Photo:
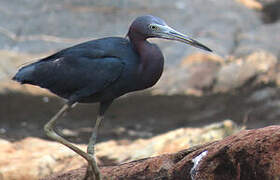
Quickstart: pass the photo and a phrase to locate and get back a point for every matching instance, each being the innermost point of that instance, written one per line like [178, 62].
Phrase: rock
[24, 31]
[240, 71]
[250, 154]
[237, 33]
[196, 73]
[258, 39]
[34, 158]
[266, 2]
[201, 74]
[271, 12]
[269, 9]
[10, 62]
[258, 4]
[169, 142]
[253, 4]
[261, 95]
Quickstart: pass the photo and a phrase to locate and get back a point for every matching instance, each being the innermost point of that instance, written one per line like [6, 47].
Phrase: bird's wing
[73, 75]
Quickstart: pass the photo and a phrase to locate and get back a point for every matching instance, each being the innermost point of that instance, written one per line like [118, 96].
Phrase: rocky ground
[50, 157]
[250, 155]
[239, 81]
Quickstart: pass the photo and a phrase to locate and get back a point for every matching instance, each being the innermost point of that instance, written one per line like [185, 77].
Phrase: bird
[100, 71]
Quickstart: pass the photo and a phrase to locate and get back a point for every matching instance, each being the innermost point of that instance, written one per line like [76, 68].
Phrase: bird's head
[149, 26]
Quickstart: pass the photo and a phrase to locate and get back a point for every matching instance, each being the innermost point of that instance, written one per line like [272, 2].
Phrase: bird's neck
[151, 60]
[140, 44]
[141, 47]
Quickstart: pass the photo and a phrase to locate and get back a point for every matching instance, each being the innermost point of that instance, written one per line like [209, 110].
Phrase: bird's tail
[25, 74]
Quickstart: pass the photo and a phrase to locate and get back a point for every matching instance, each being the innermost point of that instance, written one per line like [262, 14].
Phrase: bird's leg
[92, 141]
[49, 130]
[90, 149]
[49, 127]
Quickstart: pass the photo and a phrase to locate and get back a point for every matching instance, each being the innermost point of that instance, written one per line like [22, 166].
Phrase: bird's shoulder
[95, 49]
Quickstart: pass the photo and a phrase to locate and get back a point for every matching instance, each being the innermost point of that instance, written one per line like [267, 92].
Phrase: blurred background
[238, 83]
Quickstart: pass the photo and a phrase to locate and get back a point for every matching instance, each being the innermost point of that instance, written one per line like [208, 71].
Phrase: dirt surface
[135, 116]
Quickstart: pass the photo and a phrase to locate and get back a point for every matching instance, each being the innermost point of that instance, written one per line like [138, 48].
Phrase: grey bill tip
[201, 46]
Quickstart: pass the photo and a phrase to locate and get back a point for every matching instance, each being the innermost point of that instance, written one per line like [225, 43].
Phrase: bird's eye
[153, 27]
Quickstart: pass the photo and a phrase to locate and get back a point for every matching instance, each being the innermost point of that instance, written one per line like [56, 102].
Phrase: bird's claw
[90, 175]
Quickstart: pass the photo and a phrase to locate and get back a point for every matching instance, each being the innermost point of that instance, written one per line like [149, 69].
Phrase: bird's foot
[89, 174]
[92, 172]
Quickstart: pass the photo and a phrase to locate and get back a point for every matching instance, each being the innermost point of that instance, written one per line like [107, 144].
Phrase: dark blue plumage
[102, 70]
[94, 71]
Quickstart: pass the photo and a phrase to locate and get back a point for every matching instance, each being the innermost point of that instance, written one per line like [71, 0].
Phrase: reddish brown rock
[250, 154]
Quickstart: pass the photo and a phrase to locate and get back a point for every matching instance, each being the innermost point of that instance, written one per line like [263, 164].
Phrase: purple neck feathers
[151, 59]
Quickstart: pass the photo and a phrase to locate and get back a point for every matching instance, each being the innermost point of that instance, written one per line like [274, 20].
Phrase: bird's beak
[167, 32]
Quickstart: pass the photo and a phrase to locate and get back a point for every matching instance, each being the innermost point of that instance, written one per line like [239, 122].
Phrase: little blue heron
[100, 71]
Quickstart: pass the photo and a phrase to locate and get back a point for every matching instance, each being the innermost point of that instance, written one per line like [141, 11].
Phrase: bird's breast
[143, 67]
[150, 69]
